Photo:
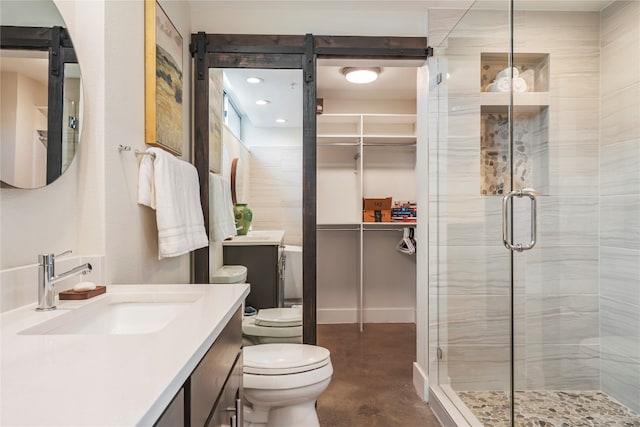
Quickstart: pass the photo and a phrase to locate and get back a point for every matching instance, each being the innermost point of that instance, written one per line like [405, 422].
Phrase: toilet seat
[279, 317]
[284, 359]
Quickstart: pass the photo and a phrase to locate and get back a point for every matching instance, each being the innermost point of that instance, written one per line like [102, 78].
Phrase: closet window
[232, 117]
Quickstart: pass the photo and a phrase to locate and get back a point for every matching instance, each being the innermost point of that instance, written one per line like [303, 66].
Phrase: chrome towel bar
[137, 152]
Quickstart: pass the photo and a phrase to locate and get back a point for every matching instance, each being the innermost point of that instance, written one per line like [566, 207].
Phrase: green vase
[243, 217]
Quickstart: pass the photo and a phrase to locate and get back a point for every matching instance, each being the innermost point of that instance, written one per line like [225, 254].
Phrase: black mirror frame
[57, 42]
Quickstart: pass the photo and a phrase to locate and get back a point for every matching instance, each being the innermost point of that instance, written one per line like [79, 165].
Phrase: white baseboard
[389, 315]
[336, 315]
[420, 382]
[371, 315]
[450, 410]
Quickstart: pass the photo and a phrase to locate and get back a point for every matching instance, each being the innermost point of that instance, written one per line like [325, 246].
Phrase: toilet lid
[280, 359]
[249, 327]
[279, 317]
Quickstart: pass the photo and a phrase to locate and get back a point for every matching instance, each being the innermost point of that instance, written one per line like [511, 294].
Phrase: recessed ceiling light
[262, 101]
[281, 120]
[361, 75]
[254, 80]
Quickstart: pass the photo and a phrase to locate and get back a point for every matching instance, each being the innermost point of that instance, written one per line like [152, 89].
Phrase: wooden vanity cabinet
[174, 415]
[228, 410]
[212, 395]
[264, 272]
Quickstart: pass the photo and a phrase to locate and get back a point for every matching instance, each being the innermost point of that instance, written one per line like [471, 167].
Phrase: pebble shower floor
[550, 409]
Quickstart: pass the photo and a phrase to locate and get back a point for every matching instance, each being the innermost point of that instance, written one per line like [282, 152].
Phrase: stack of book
[405, 211]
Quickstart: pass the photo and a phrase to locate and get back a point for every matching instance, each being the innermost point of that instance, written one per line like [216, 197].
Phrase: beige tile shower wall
[555, 288]
[620, 202]
[275, 188]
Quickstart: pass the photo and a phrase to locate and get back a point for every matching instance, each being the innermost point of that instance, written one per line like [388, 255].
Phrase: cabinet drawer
[228, 411]
[210, 375]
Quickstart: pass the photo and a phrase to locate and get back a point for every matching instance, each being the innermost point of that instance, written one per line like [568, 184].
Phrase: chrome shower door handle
[531, 194]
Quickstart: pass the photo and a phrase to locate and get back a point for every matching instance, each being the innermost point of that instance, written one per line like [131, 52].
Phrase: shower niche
[528, 163]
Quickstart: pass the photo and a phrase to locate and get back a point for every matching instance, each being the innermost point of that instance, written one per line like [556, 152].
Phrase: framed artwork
[163, 80]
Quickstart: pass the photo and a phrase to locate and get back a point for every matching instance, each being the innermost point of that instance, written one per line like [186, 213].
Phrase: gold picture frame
[163, 80]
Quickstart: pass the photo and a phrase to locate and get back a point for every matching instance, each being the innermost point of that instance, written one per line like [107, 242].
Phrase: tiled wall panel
[556, 284]
[620, 202]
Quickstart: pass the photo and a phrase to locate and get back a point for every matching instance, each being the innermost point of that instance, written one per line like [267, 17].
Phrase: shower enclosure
[534, 214]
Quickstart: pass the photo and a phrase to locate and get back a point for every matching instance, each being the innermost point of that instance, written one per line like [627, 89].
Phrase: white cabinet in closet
[361, 277]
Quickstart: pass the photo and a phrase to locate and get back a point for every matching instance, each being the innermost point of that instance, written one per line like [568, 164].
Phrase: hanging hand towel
[170, 186]
[222, 223]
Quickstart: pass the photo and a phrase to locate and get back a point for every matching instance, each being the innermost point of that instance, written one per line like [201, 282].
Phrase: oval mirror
[40, 106]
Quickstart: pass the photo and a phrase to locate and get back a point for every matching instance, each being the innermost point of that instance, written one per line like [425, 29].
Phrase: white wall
[131, 235]
[31, 94]
[22, 115]
[362, 18]
[8, 84]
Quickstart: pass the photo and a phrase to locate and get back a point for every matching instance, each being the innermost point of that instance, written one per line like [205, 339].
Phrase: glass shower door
[471, 168]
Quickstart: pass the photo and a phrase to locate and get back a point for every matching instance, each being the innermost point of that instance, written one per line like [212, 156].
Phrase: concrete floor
[372, 383]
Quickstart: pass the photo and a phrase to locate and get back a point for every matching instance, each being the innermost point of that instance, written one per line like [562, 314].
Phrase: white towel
[519, 85]
[221, 219]
[170, 186]
[502, 84]
[506, 73]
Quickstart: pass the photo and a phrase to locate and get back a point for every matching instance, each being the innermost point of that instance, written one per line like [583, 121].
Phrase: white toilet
[282, 383]
[273, 325]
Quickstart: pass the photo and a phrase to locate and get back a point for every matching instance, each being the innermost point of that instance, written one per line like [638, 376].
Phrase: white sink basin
[120, 314]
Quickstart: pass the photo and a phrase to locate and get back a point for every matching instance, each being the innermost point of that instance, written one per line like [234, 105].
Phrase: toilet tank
[230, 274]
[293, 274]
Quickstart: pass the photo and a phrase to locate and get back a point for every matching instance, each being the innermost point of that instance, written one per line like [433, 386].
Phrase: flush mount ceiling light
[361, 75]
[262, 101]
[254, 80]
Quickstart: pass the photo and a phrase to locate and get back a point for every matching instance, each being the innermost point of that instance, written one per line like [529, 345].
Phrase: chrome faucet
[47, 279]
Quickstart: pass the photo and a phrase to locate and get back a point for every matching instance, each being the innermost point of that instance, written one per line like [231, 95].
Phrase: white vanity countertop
[257, 238]
[105, 379]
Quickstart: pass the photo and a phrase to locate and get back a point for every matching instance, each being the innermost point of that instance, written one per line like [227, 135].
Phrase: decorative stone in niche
[529, 153]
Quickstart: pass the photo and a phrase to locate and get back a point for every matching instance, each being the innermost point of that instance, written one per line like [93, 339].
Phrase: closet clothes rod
[387, 229]
[389, 144]
[338, 144]
[337, 229]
